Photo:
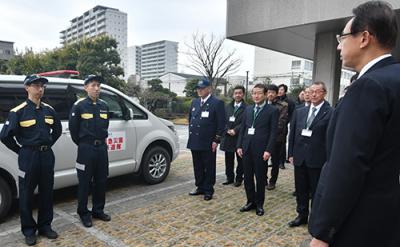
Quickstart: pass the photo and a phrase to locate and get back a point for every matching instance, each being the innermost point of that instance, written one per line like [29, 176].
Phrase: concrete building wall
[6, 50]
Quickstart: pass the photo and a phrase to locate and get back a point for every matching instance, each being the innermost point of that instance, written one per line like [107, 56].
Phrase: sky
[37, 23]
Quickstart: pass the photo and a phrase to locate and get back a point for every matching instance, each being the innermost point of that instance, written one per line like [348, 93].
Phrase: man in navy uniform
[88, 124]
[307, 149]
[255, 144]
[36, 127]
[206, 124]
[357, 201]
[234, 114]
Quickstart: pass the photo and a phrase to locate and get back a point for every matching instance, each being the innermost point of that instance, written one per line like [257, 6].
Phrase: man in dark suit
[255, 145]
[206, 124]
[357, 202]
[234, 114]
[307, 149]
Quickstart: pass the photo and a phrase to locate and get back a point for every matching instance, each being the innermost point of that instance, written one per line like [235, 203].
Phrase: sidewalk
[167, 216]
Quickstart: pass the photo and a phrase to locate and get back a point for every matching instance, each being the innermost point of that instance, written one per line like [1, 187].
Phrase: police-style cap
[91, 78]
[203, 84]
[34, 79]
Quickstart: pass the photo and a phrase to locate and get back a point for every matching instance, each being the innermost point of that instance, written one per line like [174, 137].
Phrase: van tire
[155, 165]
[5, 198]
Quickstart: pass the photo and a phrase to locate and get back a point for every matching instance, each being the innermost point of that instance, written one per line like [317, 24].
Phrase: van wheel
[155, 165]
[5, 199]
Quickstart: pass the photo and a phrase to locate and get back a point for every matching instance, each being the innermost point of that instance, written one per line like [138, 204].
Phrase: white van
[138, 142]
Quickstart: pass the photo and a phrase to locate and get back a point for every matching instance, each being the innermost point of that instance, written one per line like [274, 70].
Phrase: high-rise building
[158, 58]
[133, 63]
[6, 50]
[99, 21]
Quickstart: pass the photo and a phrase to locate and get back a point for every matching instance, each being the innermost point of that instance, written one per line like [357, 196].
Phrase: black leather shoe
[237, 183]
[50, 234]
[249, 206]
[30, 240]
[300, 220]
[227, 182]
[102, 216]
[196, 192]
[207, 197]
[282, 166]
[259, 211]
[270, 186]
[86, 221]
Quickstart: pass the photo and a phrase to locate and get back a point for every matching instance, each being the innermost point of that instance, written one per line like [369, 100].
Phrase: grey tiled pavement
[164, 215]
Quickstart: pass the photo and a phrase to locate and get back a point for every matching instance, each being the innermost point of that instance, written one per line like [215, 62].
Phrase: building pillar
[327, 64]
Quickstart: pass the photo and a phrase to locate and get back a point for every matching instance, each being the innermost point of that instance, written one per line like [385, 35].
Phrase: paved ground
[164, 215]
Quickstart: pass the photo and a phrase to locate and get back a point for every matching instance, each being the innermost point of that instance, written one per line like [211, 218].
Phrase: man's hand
[239, 151]
[266, 156]
[318, 243]
[231, 132]
[214, 146]
[291, 160]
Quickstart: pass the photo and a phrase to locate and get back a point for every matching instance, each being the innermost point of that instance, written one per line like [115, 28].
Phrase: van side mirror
[129, 116]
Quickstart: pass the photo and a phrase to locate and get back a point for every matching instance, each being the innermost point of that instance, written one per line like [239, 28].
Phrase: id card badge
[251, 131]
[205, 114]
[232, 119]
[306, 132]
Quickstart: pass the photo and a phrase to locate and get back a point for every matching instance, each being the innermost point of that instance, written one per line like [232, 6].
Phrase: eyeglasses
[340, 37]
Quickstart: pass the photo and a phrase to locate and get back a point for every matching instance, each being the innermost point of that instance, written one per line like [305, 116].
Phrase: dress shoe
[300, 220]
[207, 197]
[227, 182]
[271, 186]
[50, 234]
[259, 211]
[196, 192]
[294, 193]
[86, 221]
[30, 240]
[249, 206]
[237, 183]
[282, 166]
[102, 216]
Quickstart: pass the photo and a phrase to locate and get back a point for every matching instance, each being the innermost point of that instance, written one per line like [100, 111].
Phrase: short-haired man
[206, 124]
[36, 127]
[272, 97]
[282, 95]
[88, 125]
[234, 114]
[255, 144]
[358, 197]
[307, 149]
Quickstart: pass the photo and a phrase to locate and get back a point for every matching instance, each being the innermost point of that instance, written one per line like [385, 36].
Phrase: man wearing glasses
[357, 201]
[36, 127]
[307, 149]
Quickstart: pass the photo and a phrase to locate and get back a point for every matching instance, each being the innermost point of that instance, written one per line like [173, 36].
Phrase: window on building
[296, 64]
[308, 65]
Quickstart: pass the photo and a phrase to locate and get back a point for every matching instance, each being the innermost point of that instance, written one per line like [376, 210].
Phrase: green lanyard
[255, 115]
[235, 109]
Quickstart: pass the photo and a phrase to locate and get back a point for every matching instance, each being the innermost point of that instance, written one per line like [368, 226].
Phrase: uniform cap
[203, 84]
[34, 79]
[90, 78]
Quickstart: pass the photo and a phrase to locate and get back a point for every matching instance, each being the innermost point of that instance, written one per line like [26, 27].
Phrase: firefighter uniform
[31, 131]
[88, 125]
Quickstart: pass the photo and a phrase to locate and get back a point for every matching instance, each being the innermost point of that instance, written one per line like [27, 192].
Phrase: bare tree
[208, 57]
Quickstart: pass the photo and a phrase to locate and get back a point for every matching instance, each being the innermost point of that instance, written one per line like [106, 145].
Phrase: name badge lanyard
[255, 115]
